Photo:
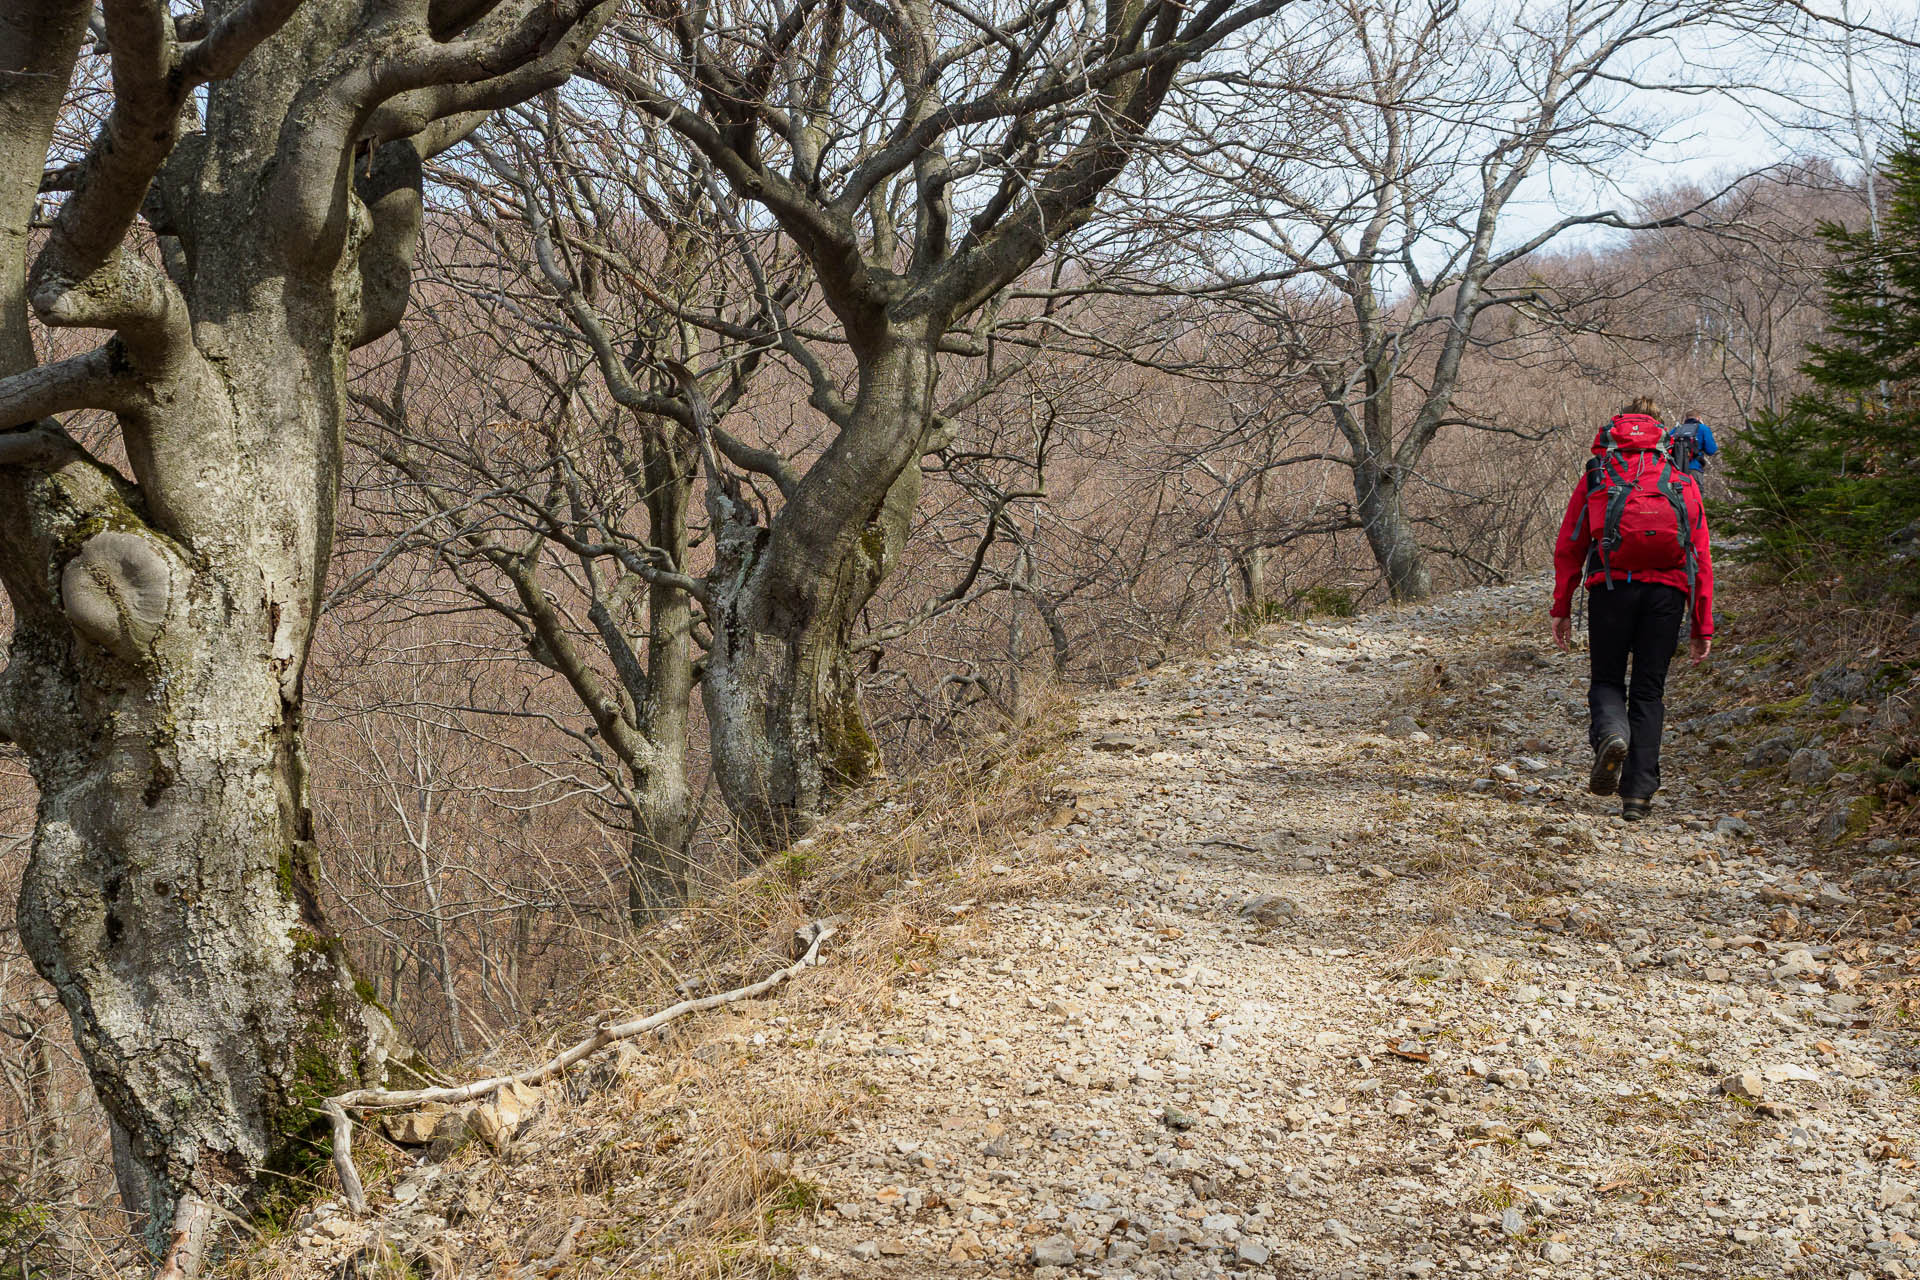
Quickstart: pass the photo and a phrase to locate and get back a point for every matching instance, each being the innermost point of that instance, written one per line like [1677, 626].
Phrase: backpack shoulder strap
[1595, 475]
[1674, 486]
[1619, 488]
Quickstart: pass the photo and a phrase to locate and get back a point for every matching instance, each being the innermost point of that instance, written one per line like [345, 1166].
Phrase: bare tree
[1393, 241]
[585, 262]
[643, 327]
[245, 215]
[922, 157]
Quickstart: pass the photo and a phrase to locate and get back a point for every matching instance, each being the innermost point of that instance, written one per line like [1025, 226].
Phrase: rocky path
[1327, 967]
[1332, 994]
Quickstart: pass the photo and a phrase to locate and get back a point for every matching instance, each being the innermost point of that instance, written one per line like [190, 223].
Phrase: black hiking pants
[1637, 621]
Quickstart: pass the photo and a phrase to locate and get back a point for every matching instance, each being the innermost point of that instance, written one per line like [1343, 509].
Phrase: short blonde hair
[1643, 404]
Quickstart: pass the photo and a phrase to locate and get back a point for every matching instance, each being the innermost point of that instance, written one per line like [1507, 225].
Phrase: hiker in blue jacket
[1692, 443]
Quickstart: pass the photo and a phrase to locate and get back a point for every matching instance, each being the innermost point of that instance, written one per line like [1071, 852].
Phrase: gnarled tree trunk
[170, 898]
[162, 617]
[781, 686]
[152, 681]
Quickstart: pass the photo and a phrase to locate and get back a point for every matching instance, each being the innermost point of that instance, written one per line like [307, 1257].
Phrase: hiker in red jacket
[1636, 533]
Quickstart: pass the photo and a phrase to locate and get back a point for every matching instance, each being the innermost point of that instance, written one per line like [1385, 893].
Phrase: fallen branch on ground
[605, 1034]
[187, 1239]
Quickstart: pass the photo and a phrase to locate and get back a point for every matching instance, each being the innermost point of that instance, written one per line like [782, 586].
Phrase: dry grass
[694, 1170]
[678, 1169]
[892, 863]
[1427, 943]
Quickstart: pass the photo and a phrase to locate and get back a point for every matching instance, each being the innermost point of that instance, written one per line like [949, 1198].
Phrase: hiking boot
[1607, 760]
[1634, 808]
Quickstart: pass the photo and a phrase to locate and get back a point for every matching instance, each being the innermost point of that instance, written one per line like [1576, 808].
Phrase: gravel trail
[1327, 967]
[1333, 994]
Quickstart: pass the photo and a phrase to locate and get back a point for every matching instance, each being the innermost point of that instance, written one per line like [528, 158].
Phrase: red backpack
[1637, 503]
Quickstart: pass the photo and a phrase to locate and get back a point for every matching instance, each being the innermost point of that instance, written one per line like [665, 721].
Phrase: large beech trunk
[171, 895]
[162, 616]
[783, 699]
[781, 685]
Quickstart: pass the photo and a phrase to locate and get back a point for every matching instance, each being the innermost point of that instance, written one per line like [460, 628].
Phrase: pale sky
[1781, 98]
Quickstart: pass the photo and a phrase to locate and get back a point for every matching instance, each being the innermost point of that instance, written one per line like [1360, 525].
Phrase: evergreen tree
[1832, 484]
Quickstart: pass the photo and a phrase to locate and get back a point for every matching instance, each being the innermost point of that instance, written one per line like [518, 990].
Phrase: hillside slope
[1294, 988]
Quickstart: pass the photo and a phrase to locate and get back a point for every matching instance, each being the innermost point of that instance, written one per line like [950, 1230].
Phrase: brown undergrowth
[673, 1160]
[1782, 661]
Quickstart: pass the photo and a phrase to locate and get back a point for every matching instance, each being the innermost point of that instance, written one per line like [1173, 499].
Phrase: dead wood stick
[186, 1240]
[343, 1156]
[606, 1033]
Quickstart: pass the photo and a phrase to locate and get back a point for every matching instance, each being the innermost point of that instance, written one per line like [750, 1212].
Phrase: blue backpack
[1691, 444]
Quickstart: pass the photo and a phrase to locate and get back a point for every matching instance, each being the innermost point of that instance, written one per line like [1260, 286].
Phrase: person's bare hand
[1700, 647]
[1563, 634]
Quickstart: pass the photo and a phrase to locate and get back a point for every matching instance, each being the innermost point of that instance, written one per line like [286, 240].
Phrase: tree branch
[605, 1034]
[96, 380]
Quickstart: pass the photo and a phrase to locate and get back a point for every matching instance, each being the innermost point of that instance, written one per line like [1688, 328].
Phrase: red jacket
[1576, 540]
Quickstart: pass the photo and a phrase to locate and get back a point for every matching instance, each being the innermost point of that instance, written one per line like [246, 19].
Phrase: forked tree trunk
[781, 686]
[1383, 516]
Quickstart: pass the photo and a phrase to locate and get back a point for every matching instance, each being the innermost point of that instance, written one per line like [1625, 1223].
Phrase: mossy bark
[162, 619]
[163, 611]
[172, 898]
[782, 687]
